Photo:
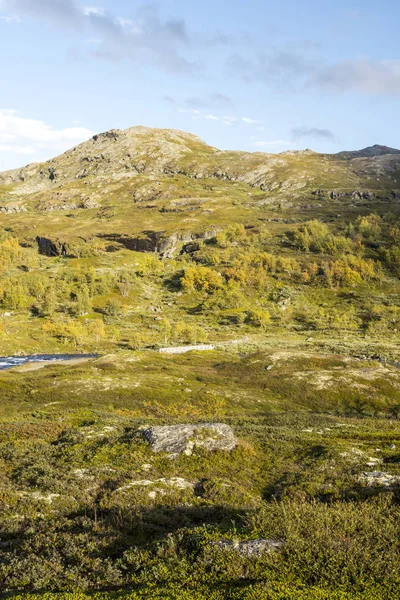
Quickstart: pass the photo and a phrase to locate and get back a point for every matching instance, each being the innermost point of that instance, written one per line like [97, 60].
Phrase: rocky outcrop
[9, 210]
[190, 247]
[87, 203]
[355, 195]
[379, 478]
[159, 241]
[56, 207]
[49, 247]
[182, 439]
[249, 548]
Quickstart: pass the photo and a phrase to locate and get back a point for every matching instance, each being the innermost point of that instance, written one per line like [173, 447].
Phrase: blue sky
[245, 74]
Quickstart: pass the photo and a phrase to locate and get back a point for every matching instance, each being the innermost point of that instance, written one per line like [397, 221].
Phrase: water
[7, 362]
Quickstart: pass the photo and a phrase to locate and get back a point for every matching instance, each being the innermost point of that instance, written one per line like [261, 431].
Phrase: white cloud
[22, 135]
[249, 121]
[10, 19]
[89, 11]
[17, 149]
[225, 120]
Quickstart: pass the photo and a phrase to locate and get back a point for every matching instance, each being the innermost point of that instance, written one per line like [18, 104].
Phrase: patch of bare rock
[249, 548]
[379, 478]
[182, 439]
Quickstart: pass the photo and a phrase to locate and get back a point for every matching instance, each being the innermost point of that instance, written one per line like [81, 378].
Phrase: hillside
[278, 475]
[133, 186]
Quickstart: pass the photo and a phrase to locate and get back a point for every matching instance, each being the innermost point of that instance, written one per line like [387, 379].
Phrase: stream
[8, 362]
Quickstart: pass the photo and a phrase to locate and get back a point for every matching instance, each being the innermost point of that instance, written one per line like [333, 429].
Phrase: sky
[248, 75]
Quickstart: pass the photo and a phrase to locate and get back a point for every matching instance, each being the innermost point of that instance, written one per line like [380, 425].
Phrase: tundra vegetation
[298, 291]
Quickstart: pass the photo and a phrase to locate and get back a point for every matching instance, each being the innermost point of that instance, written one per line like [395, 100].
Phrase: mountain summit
[368, 152]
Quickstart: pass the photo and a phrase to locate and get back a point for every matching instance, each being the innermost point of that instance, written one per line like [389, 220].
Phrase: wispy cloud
[300, 68]
[299, 133]
[249, 121]
[213, 100]
[9, 19]
[224, 119]
[65, 12]
[280, 67]
[144, 39]
[362, 75]
[93, 10]
[23, 135]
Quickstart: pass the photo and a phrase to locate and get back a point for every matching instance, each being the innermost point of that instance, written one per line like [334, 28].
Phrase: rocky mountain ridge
[370, 151]
[153, 189]
[140, 150]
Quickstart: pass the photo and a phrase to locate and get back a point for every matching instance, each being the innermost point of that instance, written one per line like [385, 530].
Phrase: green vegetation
[70, 449]
[298, 291]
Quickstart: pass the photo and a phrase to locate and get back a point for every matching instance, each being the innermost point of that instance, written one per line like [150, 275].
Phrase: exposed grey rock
[49, 247]
[184, 349]
[178, 439]
[173, 482]
[190, 248]
[89, 203]
[7, 210]
[249, 548]
[158, 241]
[379, 478]
[63, 206]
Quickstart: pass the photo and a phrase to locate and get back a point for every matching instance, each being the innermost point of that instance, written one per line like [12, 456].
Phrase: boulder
[249, 548]
[178, 439]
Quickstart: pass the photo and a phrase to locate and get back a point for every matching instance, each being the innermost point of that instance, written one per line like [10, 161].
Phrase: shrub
[201, 279]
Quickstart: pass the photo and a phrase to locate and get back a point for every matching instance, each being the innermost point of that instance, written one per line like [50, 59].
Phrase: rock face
[250, 548]
[159, 241]
[49, 247]
[178, 439]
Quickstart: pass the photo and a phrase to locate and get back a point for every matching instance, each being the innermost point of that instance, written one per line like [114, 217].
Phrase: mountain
[368, 152]
[139, 185]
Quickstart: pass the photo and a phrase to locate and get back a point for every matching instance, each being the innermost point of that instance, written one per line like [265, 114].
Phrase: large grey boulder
[178, 439]
[249, 548]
